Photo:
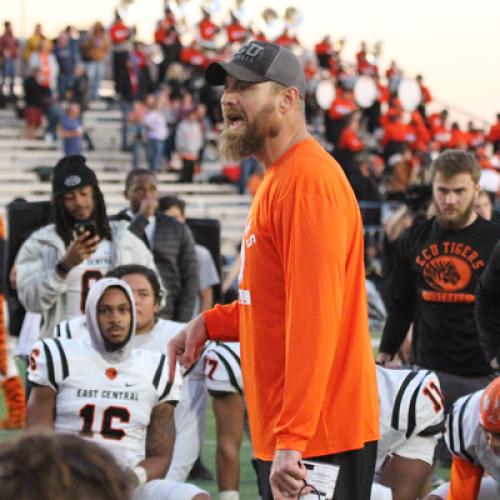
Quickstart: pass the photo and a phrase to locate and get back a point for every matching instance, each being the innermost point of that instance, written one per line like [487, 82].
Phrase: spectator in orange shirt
[395, 137]
[207, 30]
[418, 136]
[167, 37]
[324, 52]
[439, 130]
[459, 139]
[121, 45]
[335, 120]
[362, 64]
[426, 96]
[494, 135]
[302, 312]
[350, 144]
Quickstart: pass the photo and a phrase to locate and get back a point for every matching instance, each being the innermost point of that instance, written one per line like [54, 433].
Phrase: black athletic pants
[355, 477]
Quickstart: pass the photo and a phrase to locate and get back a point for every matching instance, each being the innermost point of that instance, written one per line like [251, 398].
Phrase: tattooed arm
[160, 440]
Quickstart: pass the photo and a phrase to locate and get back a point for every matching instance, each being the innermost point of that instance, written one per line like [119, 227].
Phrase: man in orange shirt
[301, 317]
[494, 135]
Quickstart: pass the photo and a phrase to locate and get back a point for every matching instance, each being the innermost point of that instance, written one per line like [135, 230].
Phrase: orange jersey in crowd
[458, 138]
[494, 134]
[236, 32]
[119, 33]
[341, 107]
[302, 319]
[350, 140]
[395, 132]
[207, 29]
[194, 56]
[426, 94]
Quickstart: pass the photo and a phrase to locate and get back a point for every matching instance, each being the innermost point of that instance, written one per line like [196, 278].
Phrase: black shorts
[355, 477]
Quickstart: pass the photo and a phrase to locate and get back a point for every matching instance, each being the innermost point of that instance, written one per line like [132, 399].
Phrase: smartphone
[82, 227]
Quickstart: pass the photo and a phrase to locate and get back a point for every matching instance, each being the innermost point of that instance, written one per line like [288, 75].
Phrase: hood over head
[98, 342]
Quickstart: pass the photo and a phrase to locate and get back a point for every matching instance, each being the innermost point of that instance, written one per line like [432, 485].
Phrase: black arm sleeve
[487, 307]
[402, 298]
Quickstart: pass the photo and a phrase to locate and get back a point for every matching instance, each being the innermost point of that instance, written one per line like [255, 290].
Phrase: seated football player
[224, 384]
[153, 334]
[411, 422]
[106, 391]
[473, 438]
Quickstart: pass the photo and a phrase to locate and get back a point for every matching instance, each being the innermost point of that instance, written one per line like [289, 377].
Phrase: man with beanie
[59, 262]
[301, 318]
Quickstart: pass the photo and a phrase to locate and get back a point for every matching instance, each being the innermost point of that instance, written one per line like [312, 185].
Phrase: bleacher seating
[21, 159]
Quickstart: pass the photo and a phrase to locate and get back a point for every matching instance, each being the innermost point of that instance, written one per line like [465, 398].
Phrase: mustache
[228, 110]
[114, 326]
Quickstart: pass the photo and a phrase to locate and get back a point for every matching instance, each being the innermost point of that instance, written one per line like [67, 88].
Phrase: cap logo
[72, 180]
[249, 51]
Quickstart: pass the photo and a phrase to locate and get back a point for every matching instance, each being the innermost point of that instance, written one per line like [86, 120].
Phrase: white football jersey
[83, 276]
[411, 414]
[156, 340]
[466, 438]
[105, 402]
[223, 368]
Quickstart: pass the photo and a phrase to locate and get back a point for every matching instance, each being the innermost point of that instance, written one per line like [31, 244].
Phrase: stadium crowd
[104, 294]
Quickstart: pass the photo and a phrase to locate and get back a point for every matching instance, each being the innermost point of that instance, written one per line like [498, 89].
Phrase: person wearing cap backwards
[56, 265]
[301, 317]
[104, 390]
[473, 437]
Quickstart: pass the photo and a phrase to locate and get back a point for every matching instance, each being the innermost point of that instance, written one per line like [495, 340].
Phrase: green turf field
[248, 485]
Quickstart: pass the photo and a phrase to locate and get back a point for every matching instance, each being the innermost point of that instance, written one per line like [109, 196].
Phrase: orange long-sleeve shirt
[306, 358]
[465, 480]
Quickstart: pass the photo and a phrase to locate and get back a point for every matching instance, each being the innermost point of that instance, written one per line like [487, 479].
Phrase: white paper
[323, 477]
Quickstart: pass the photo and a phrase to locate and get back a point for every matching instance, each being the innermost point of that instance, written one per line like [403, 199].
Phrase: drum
[409, 94]
[325, 94]
[365, 91]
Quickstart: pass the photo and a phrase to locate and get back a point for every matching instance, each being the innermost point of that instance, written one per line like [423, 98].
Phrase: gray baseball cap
[260, 62]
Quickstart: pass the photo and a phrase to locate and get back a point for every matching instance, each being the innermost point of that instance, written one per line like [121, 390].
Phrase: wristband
[62, 268]
[141, 474]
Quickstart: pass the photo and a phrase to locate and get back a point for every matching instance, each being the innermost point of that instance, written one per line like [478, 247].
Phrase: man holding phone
[58, 263]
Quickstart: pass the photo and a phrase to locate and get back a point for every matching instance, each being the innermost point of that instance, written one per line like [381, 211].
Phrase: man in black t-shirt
[437, 268]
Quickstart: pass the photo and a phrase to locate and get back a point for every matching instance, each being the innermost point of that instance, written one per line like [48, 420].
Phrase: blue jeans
[95, 72]
[155, 153]
[53, 114]
[63, 83]
[8, 70]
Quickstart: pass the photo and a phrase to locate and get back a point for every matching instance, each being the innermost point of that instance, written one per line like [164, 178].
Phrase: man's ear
[289, 98]
[125, 194]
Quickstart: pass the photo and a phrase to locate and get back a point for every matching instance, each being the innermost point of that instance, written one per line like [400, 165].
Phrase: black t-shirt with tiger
[436, 272]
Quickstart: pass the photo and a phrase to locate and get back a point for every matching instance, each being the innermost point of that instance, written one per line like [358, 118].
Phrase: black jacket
[175, 257]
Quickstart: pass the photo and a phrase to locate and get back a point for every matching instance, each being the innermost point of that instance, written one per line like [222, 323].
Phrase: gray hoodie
[96, 338]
